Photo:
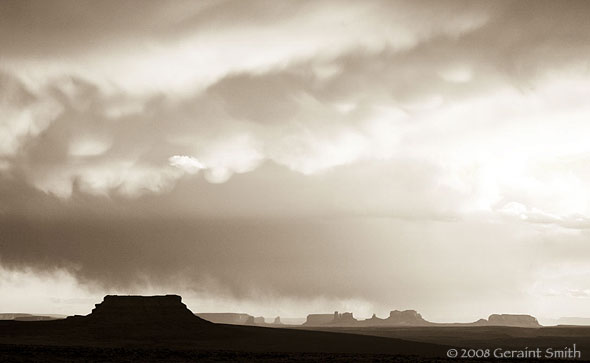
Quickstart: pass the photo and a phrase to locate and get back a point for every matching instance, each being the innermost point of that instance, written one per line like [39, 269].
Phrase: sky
[296, 157]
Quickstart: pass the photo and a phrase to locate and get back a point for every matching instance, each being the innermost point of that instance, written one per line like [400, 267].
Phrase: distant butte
[412, 318]
[513, 320]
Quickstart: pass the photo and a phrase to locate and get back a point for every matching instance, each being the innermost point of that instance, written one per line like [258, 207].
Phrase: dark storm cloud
[242, 258]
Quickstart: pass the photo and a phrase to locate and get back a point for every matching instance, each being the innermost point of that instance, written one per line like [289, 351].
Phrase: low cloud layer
[140, 142]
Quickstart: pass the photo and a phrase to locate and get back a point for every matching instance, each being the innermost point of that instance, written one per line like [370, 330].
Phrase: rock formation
[141, 310]
[411, 318]
[525, 321]
[255, 320]
[372, 321]
[29, 317]
[336, 319]
[406, 317]
[344, 319]
[318, 319]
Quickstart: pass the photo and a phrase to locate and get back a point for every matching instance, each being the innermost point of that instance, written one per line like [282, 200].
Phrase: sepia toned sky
[295, 157]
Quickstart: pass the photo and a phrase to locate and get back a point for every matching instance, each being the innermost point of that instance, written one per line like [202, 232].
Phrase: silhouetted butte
[143, 310]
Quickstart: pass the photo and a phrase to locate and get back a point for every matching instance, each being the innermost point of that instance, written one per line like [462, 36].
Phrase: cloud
[186, 163]
[88, 147]
[24, 114]
[182, 53]
[388, 131]
[124, 143]
[311, 102]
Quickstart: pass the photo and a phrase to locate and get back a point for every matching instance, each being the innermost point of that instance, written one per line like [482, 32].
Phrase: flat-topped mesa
[143, 309]
[523, 321]
[336, 319]
[318, 319]
[406, 317]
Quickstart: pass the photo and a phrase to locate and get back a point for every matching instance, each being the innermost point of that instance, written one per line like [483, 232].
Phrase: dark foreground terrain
[486, 336]
[25, 353]
[224, 343]
[93, 354]
[74, 341]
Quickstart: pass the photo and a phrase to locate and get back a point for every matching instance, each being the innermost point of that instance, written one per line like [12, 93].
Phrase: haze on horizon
[295, 157]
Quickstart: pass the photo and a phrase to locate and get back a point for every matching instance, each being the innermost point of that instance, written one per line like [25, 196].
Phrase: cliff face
[526, 321]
